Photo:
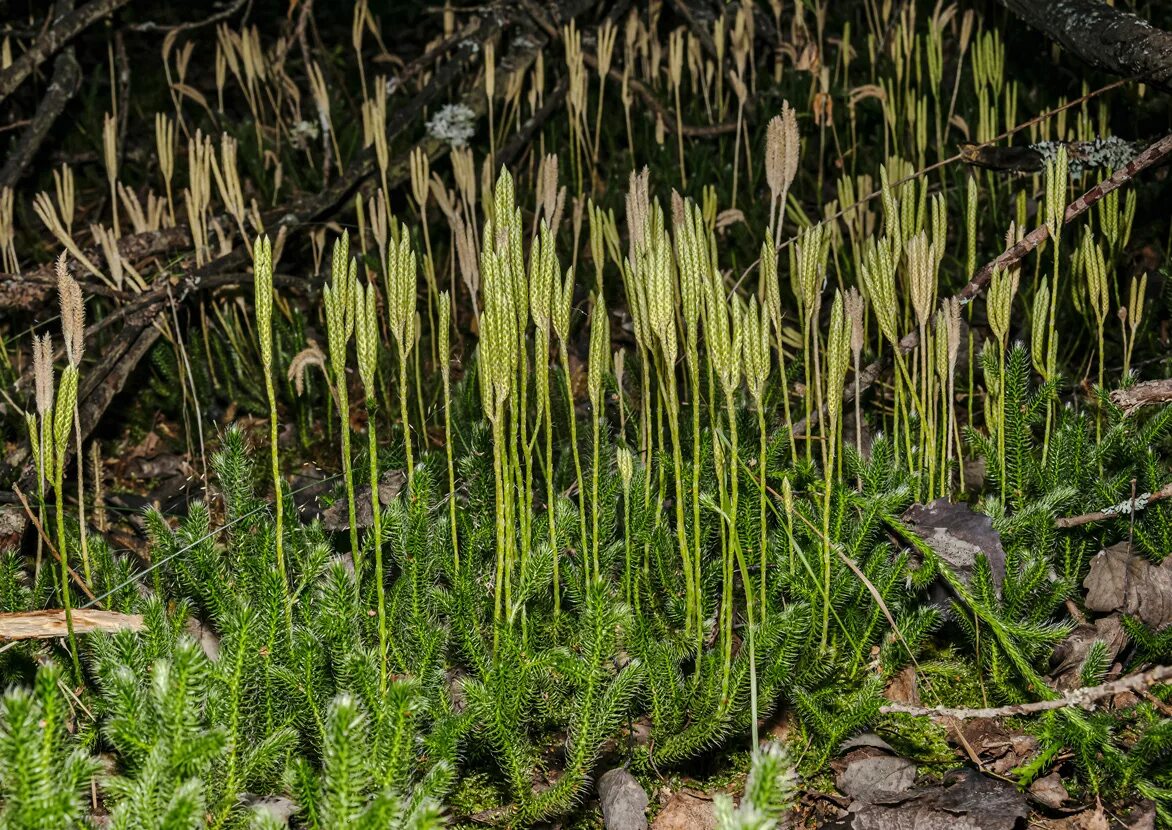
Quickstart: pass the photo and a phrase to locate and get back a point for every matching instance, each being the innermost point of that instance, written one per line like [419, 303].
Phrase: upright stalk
[263, 284]
[565, 358]
[62, 422]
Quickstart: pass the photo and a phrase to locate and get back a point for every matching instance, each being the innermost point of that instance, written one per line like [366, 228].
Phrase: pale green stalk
[400, 277]
[263, 285]
[837, 360]
[543, 270]
[339, 327]
[62, 415]
[561, 323]
[1056, 180]
[366, 330]
[626, 464]
[445, 354]
[599, 362]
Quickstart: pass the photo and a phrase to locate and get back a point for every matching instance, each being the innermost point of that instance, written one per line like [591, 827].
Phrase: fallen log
[1103, 36]
[57, 35]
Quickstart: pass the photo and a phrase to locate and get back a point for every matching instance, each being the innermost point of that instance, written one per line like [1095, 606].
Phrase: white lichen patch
[1128, 505]
[453, 124]
[1111, 153]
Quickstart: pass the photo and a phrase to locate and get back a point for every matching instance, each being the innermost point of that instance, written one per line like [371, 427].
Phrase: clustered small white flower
[453, 124]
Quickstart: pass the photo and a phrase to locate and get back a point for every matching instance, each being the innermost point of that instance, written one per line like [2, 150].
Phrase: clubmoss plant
[837, 361]
[445, 355]
[596, 375]
[262, 261]
[400, 284]
[367, 343]
[563, 298]
[66, 399]
[340, 324]
[544, 291]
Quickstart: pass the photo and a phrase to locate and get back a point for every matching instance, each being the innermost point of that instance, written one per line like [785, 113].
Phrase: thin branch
[50, 624]
[1084, 698]
[223, 14]
[1124, 509]
[1111, 39]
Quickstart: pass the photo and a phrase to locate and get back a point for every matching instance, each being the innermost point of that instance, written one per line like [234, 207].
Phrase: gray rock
[624, 803]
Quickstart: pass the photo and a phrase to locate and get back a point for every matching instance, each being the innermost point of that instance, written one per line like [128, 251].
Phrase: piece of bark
[623, 800]
[47, 625]
[1147, 393]
[1103, 36]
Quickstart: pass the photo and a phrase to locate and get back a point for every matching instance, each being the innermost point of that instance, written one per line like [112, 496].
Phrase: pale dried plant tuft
[72, 312]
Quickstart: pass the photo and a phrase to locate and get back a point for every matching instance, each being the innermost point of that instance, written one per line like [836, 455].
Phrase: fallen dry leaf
[1049, 791]
[967, 801]
[1069, 655]
[904, 687]
[390, 484]
[876, 778]
[1001, 749]
[1119, 580]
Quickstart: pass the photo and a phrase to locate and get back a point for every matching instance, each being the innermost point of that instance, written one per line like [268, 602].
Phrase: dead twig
[55, 37]
[1111, 39]
[1148, 393]
[223, 14]
[1084, 698]
[1127, 508]
[63, 86]
[30, 291]
[48, 625]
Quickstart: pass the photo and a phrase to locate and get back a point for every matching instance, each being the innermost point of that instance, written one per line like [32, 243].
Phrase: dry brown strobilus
[782, 147]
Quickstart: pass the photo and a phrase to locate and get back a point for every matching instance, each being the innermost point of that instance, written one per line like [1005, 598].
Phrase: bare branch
[1084, 697]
